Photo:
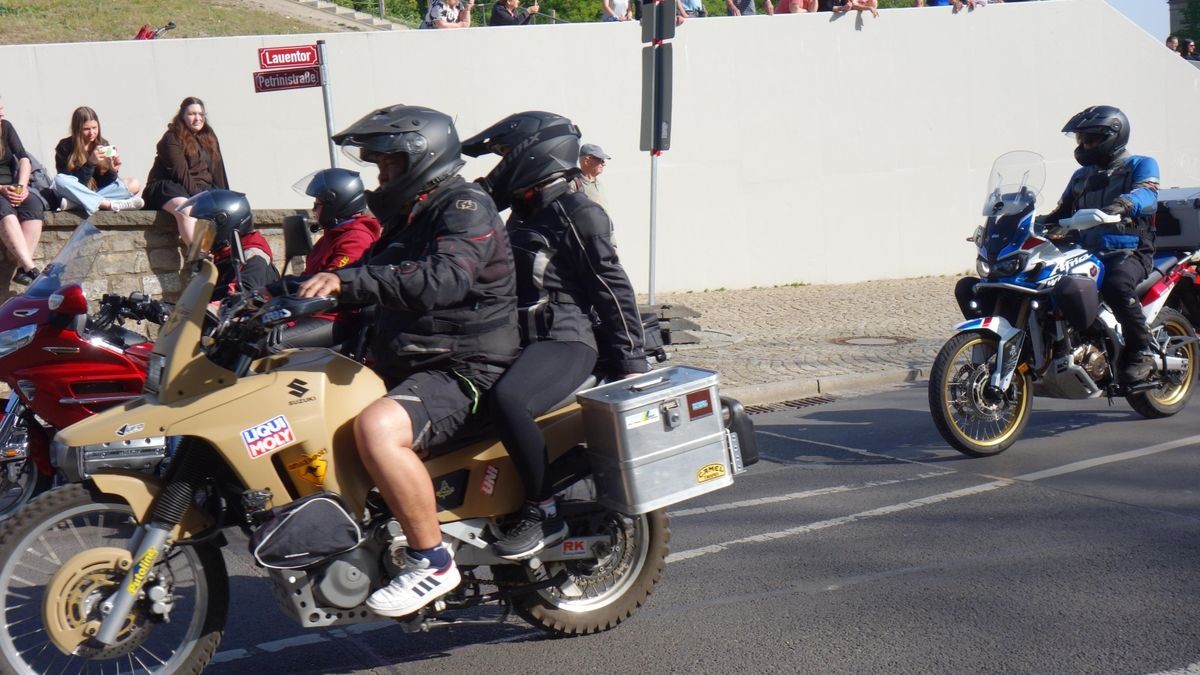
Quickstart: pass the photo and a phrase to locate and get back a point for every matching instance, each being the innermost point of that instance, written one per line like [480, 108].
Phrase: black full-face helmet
[339, 191]
[219, 213]
[534, 146]
[423, 147]
[1103, 125]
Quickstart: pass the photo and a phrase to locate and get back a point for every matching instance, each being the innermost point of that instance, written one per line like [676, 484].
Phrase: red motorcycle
[62, 365]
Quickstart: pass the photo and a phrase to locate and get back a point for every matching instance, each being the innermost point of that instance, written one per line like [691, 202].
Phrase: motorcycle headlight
[983, 268]
[14, 339]
[1008, 267]
[154, 373]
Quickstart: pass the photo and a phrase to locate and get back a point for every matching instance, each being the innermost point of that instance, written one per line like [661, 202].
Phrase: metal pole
[328, 99]
[381, 10]
[653, 214]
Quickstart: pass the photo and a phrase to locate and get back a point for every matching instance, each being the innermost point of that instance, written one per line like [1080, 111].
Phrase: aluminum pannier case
[656, 439]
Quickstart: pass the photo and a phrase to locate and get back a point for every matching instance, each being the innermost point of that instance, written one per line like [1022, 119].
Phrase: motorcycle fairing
[1008, 345]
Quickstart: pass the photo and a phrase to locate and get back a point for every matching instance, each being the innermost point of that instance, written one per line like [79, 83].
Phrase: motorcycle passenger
[339, 204]
[1120, 184]
[567, 268]
[230, 211]
[442, 275]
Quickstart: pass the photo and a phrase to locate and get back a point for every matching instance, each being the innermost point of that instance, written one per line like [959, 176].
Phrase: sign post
[298, 67]
[658, 26]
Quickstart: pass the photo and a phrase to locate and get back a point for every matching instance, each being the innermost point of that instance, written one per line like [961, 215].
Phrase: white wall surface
[806, 148]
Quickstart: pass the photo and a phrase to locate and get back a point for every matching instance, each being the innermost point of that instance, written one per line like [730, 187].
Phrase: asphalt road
[862, 544]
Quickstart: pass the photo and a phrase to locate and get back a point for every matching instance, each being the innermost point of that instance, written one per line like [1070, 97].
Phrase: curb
[787, 390]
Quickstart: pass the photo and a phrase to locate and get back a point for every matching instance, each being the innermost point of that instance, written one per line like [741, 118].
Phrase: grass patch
[42, 21]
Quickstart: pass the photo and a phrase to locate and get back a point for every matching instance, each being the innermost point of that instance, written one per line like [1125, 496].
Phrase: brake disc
[71, 608]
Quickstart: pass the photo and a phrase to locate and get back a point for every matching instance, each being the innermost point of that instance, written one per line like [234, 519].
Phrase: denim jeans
[73, 191]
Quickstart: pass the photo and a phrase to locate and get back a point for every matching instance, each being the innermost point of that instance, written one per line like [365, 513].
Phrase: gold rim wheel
[983, 423]
[1169, 395]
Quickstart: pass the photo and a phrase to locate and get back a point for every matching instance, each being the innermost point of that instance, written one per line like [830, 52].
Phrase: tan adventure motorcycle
[123, 567]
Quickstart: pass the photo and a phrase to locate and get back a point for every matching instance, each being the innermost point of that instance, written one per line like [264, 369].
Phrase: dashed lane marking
[1108, 459]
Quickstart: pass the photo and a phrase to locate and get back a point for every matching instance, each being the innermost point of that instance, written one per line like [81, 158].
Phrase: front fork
[14, 439]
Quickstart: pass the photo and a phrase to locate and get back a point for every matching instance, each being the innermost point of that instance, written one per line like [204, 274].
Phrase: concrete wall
[806, 148]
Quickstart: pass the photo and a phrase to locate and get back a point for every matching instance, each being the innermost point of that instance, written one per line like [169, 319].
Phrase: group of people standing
[1184, 47]
[88, 166]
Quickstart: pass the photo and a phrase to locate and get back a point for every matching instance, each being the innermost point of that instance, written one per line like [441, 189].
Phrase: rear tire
[1172, 396]
[606, 591]
[971, 421]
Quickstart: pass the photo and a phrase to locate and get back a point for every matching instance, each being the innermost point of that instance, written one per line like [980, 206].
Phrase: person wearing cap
[592, 159]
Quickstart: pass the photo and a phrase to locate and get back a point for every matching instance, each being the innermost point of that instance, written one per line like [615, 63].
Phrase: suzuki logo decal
[297, 388]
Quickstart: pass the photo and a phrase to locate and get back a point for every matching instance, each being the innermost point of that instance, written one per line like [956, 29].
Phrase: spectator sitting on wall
[617, 10]
[188, 163]
[509, 13]
[746, 7]
[1173, 43]
[957, 4]
[1187, 49]
[87, 168]
[20, 209]
[694, 8]
[448, 14]
[795, 6]
[858, 6]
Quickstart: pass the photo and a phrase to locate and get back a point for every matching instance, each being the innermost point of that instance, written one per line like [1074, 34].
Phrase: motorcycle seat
[1161, 268]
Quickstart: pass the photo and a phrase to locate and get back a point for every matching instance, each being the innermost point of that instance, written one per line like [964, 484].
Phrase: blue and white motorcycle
[985, 377]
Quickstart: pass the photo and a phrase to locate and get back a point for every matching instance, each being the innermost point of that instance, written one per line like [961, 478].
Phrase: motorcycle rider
[339, 204]
[567, 268]
[1120, 184]
[231, 212]
[442, 276]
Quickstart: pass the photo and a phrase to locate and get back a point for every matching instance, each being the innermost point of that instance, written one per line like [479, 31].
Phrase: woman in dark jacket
[188, 163]
[509, 13]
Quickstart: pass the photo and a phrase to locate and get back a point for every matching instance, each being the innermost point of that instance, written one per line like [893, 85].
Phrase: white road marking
[842, 520]
[1193, 669]
[1108, 459]
[800, 495]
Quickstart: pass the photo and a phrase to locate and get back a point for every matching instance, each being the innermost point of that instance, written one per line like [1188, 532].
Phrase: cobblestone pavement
[794, 337]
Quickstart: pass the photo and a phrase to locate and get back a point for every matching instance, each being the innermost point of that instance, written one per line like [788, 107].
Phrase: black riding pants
[544, 374]
[1121, 277]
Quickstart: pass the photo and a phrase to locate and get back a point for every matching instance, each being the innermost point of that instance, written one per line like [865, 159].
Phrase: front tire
[1176, 388]
[970, 418]
[603, 592]
[60, 557]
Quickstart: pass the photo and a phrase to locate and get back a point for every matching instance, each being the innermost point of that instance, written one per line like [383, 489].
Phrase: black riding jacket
[1129, 179]
[444, 284]
[567, 269]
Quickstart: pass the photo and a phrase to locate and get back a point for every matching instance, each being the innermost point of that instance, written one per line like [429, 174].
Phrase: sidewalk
[778, 344]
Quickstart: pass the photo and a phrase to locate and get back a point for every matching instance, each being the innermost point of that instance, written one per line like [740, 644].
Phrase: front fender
[996, 325]
[139, 490]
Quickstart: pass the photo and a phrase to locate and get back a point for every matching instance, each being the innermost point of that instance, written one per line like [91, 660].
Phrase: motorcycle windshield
[72, 265]
[1016, 181]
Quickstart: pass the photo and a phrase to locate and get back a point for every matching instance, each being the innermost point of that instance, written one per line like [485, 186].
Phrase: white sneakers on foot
[414, 587]
[134, 203]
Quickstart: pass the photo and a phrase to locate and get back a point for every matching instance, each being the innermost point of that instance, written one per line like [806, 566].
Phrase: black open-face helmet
[219, 213]
[339, 191]
[424, 151]
[1105, 125]
[534, 147]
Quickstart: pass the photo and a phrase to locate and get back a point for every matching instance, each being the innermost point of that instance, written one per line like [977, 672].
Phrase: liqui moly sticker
[271, 435]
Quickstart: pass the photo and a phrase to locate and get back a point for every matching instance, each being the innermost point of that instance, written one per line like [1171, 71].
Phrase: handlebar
[1088, 218]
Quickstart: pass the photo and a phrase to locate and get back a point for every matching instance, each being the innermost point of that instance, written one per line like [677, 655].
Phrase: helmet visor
[1089, 138]
[202, 240]
[308, 186]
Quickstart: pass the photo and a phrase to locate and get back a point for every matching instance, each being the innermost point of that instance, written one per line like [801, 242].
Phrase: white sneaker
[134, 203]
[414, 587]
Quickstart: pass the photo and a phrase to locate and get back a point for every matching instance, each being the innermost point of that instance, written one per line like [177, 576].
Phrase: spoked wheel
[600, 593]
[972, 417]
[1176, 387]
[64, 555]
